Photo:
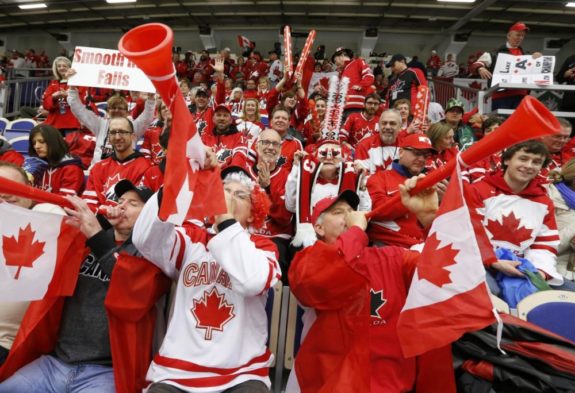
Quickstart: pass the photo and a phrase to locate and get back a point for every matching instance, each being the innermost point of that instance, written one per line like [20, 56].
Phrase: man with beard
[377, 152]
[226, 140]
[362, 124]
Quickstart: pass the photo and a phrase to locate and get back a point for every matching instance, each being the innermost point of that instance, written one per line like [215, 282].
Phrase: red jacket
[151, 146]
[358, 293]
[107, 173]
[65, 120]
[357, 127]
[66, 178]
[289, 146]
[230, 147]
[8, 154]
[154, 177]
[396, 226]
[374, 155]
[359, 74]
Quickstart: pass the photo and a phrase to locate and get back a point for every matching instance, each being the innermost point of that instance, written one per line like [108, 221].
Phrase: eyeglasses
[266, 143]
[327, 151]
[242, 195]
[119, 132]
[418, 153]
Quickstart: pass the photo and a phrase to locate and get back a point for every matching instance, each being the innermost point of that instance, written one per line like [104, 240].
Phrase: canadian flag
[40, 254]
[245, 42]
[448, 295]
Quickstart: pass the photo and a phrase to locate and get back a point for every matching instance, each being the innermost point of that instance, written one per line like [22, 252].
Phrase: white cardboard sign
[523, 70]
[97, 67]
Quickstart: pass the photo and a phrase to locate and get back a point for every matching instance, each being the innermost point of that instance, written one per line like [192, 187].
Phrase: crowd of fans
[266, 131]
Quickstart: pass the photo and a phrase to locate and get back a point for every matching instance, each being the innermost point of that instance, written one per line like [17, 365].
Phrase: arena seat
[552, 310]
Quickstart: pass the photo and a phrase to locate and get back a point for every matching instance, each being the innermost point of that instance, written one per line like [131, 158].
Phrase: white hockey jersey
[216, 337]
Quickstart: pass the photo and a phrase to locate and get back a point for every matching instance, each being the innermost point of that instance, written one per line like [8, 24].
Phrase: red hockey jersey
[360, 75]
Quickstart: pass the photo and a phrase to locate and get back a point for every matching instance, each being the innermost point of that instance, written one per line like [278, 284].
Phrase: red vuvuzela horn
[530, 120]
[11, 187]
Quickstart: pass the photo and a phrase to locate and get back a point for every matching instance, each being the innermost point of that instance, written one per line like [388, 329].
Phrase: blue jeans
[49, 375]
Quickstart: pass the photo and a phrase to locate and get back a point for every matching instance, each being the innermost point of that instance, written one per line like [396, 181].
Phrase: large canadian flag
[448, 295]
[40, 254]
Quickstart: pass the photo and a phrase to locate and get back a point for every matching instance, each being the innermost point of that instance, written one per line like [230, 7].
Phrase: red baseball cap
[224, 107]
[325, 203]
[519, 26]
[416, 141]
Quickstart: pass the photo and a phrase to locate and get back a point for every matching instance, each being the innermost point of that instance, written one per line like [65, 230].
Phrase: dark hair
[531, 146]
[373, 96]
[56, 145]
[490, 122]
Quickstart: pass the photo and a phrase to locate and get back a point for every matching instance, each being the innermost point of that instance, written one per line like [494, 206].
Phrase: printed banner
[523, 70]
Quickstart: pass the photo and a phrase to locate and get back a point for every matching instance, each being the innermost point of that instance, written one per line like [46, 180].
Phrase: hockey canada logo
[212, 312]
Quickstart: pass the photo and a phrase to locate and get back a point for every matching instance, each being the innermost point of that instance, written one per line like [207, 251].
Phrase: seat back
[273, 307]
[3, 124]
[294, 331]
[22, 124]
[500, 304]
[552, 310]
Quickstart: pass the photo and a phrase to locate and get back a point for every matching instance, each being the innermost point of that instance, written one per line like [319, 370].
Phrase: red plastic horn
[149, 46]
[530, 120]
[11, 187]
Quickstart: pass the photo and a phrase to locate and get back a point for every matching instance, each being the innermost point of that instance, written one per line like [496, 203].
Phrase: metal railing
[442, 89]
[20, 90]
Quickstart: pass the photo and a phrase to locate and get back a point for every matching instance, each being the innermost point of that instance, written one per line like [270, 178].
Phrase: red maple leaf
[510, 230]
[22, 251]
[435, 271]
[212, 312]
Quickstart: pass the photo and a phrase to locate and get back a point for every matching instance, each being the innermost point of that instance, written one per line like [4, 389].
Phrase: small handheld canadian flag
[40, 254]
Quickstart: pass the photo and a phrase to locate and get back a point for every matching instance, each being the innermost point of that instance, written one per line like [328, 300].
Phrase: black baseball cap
[123, 186]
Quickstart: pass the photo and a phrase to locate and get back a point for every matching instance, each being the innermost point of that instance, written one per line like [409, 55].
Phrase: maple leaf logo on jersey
[110, 185]
[510, 230]
[212, 312]
[22, 251]
[223, 154]
[201, 126]
[436, 273]
[377, 302]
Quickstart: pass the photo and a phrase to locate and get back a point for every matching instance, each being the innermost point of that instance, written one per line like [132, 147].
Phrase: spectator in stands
[464, 135]
[8, 154]
[477, 171]
[404, 81]
[360, 79]
[442, 138]
[378, 151]
[313, 125]
[124, 163]
[59, 172]
[361, 125]
[239, 270]
[449, 69]
[340, 277]
[154, 176]
[398, 226]
[415, 63]
[204, 113]
[381, 84]
[151, 147]
[484, 66]
[236, 102]
[290, 144]
[185, 89]
[276, 67]
[562, 193]
[226, 140]
[55, 95]
[555, 145]
[117, 108]
[249, 122]
[566, 75]
[255, 67]
[434, 63]
[81, 360]
[203, 68]
[272, 178]
[11, 313]
[518, 214]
